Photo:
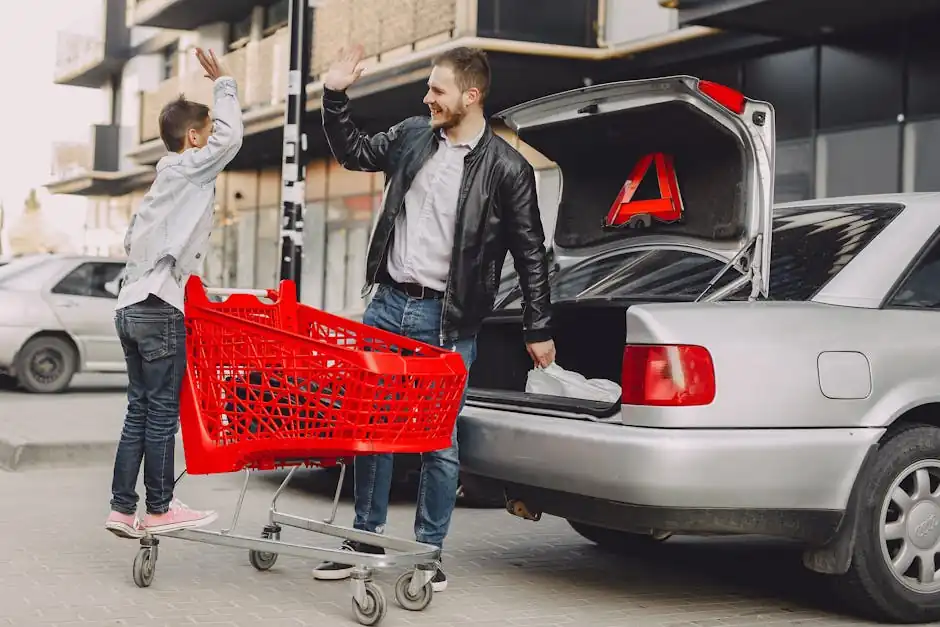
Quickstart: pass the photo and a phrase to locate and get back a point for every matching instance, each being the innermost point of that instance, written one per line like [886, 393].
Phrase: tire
[617, 541]
[46, 365]
[906, 457]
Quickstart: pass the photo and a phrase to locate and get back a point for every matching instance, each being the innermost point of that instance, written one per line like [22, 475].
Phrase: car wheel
[46, 365]
[618, 541]
[893, 574]
[474, 492]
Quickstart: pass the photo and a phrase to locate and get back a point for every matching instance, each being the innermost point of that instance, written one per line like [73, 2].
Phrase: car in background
[57, 319]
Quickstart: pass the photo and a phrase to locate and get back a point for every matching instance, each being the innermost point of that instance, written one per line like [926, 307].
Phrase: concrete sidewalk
[80, 428]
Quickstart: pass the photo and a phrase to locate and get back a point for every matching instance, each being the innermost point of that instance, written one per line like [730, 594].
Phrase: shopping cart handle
[224, 291]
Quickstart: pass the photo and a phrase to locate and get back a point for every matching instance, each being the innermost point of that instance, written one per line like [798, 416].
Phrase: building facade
[857, 106]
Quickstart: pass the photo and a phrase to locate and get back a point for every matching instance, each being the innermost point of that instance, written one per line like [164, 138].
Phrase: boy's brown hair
[471, 68]
[177, 117]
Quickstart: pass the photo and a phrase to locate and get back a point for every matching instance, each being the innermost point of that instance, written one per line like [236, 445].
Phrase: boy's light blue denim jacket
[174, 221]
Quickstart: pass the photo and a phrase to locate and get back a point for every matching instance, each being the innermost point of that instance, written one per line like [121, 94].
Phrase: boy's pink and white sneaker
[124, 526]
[178, 517]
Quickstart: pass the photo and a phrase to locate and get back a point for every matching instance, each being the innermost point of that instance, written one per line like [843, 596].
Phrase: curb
[16, 454]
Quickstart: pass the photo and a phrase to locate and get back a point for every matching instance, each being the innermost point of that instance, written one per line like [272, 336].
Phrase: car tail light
[674, 375]
[725, 96]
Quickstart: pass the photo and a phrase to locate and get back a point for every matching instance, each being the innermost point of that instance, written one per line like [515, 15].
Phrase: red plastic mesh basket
[282, 384]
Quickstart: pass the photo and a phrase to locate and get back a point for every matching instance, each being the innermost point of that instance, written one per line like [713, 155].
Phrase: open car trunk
[711, 193]
[588, 339]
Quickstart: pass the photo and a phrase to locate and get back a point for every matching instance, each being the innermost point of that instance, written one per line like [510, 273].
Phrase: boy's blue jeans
[419, 319]
[153, 336]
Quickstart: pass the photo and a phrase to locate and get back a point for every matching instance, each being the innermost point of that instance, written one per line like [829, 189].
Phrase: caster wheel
[262, 560]
[412, 602]
[144, 566]
[374, 610]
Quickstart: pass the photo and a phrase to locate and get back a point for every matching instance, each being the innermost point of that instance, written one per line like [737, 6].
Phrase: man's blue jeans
[153, 336]
[419, 319]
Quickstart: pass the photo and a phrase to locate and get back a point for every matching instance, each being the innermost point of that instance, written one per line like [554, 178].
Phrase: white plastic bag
[556, 381]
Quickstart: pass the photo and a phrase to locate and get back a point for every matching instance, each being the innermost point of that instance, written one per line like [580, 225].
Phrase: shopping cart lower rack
[283, 385]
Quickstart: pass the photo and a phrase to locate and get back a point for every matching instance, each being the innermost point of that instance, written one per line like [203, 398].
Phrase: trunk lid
[719, 144]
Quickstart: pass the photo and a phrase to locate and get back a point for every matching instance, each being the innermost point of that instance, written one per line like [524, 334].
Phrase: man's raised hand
[346, 70]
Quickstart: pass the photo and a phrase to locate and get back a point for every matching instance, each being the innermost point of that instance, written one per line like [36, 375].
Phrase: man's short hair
[177, 117]
[471, 68]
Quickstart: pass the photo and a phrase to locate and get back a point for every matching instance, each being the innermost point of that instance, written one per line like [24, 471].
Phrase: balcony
[785, 18]
[89, 168]
[189, 14]
[400, 38]
[260, 68]
[84, 60]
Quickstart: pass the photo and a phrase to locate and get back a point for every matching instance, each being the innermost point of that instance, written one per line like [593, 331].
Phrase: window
[664, 274]
[170, 56]
[96, 279]
[812, 244]
[569, 22]
[793, 171]
[240, 31]
[861, 81]
[348, 226]
[629, 274]
[276, 15]
[921, 289]
[576, 279]
[859, 162]
[922, 152]
[788, 80]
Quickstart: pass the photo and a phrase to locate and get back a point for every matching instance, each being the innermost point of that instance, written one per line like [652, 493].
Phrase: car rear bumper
[745, 469]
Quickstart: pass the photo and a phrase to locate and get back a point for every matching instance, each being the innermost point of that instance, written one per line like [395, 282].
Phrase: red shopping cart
[278, 384]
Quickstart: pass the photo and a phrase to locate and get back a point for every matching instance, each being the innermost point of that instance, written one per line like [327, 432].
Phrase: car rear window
[810, 246]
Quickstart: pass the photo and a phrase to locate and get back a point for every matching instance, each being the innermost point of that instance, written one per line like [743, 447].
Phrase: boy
[165, 244]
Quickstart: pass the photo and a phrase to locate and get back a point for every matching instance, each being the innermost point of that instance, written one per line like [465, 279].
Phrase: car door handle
[68, 303]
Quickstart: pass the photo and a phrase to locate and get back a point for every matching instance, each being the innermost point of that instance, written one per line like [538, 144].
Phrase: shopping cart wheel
[144, 566]
[375, 607]
[412, 602]
[262, 560]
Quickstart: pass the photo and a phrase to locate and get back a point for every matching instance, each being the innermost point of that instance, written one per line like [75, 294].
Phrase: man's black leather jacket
[497, 210]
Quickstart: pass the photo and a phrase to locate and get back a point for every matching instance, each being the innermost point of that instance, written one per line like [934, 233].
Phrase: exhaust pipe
[518, 508]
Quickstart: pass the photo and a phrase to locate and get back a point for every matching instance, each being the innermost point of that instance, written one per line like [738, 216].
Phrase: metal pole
[293, 160]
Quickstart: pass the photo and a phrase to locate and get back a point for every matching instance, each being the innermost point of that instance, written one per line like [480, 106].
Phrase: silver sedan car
[779, 365]
[57, 319]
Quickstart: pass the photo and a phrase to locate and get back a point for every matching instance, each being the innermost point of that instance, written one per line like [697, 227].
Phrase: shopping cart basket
[283, 385]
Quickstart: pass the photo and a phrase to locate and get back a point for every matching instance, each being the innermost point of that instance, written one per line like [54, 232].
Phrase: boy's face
[199, 137]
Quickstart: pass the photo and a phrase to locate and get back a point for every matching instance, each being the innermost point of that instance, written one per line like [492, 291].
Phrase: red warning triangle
[641, 213]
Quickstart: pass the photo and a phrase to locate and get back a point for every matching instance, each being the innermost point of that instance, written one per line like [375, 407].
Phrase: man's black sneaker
[439, 580]
[333, 571]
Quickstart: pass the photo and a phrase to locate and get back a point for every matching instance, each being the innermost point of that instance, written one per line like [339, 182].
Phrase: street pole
[293, 160]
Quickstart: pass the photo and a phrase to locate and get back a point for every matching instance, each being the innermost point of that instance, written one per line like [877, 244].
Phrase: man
[457, 198]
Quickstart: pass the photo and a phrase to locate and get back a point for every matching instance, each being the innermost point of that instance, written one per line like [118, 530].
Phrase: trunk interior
[597, 153]
[589, 339]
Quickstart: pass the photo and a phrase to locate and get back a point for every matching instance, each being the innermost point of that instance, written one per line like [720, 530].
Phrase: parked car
[57, 319]
[791, 390]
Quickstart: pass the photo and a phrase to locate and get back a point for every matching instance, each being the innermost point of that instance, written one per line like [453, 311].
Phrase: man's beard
[449, 119]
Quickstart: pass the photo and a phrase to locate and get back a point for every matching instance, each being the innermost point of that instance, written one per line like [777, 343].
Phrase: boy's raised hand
[210, 64]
